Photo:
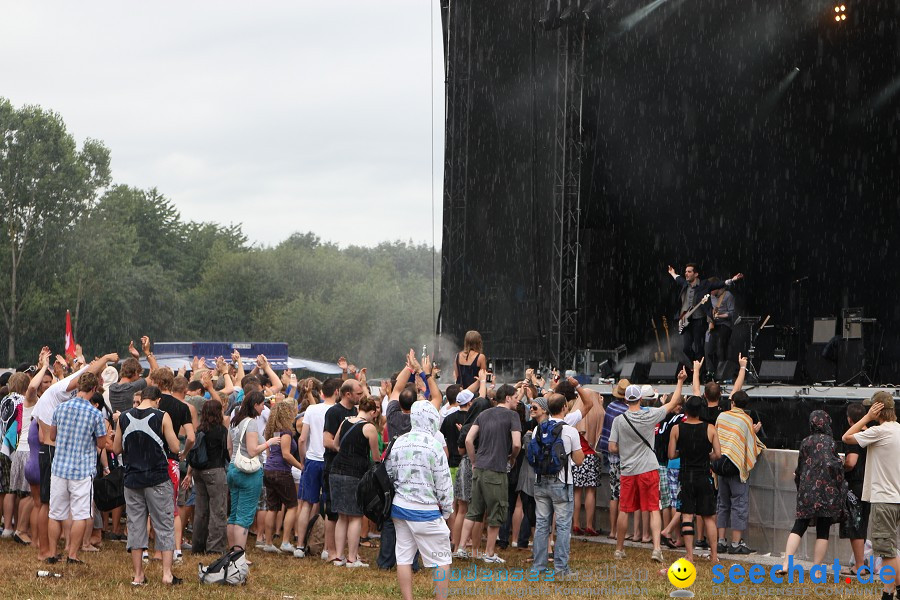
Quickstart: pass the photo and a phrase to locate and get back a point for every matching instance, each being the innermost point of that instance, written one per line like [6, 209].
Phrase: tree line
[125, 263]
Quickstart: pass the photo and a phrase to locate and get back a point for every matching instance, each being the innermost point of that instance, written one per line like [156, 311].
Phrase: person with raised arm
[692, 291]
[131, 379]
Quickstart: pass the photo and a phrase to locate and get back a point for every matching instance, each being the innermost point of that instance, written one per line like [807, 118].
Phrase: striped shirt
[738, 440]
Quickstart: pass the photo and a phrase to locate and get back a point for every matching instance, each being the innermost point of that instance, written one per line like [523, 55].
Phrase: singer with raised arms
[695, 310]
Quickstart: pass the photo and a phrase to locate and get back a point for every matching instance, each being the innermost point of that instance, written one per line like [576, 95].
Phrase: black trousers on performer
[717, 350]
[693, 338]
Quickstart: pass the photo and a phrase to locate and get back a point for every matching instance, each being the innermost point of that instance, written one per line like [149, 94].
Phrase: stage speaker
[633, 371]
[824, 329]
[727, 371]
[663, 372]
[819, 368]
[784, 371]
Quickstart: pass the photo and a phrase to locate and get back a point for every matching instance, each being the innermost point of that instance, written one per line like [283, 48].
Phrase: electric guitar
[658, 356]
[683, 321]
[668, 341]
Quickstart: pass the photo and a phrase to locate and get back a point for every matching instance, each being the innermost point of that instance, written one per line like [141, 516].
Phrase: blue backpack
[546, 452]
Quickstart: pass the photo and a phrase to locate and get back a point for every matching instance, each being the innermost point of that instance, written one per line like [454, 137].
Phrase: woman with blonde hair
[469, 360]
[277, 478]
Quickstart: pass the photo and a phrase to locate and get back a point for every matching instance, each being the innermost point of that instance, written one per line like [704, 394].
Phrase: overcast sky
[281, 115]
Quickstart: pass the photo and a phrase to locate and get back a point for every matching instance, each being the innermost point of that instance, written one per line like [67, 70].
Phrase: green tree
[46, 182]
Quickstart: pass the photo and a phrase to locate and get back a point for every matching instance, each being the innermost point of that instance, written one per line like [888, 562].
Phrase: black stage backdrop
[701, 143]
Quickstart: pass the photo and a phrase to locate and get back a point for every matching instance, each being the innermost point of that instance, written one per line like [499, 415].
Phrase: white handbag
[245, 464]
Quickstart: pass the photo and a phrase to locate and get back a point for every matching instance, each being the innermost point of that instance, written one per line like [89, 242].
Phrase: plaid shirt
[78, 425]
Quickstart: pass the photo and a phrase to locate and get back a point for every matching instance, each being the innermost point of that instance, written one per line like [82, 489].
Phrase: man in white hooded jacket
[423, 499]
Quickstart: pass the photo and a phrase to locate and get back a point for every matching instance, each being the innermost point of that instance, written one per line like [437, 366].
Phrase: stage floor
[763, 390]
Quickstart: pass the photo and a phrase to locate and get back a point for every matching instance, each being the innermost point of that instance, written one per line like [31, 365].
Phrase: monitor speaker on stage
[727, 371]
[663, 372]
[633, 371]
[784, 371]
[819, 368]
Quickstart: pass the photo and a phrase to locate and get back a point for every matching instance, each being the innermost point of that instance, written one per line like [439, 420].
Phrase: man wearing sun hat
[632, 438]
[881, 484]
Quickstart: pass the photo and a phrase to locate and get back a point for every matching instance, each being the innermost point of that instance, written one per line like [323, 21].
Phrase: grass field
[107, 576]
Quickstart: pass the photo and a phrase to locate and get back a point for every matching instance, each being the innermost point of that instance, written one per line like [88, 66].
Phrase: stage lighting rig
[570, 13]
[840, 13]
[551, 19]
[592, 9]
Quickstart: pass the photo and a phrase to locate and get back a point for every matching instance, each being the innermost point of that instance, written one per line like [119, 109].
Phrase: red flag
[70, 339]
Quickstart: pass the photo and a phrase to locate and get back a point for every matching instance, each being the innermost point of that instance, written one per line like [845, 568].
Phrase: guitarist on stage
[693, 289]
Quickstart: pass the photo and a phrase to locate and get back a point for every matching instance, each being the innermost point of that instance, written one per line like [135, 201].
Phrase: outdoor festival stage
[784, 409]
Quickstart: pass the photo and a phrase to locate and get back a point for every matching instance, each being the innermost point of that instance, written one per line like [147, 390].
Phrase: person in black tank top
[695, 441]
[142, 436]
[466, 374]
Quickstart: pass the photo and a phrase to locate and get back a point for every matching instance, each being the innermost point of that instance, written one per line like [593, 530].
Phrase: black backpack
[375, 492]
[197, 457]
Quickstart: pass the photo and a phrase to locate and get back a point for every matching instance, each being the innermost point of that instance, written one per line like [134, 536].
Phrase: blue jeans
[553, 497]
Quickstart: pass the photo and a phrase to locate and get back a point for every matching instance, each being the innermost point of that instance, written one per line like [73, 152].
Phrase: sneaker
[514, 544]
[722, 548]
[145, 556]
[339, 562]
[177, 557]
[619, 554]
[324, 554]
[271, 548]
[657, 555]
[492, 559]
[741, 548]
[701, 545]
[461, 553]
[7, 534]
[299, 553]
[357, 564]
[260, 543]
[287, 547]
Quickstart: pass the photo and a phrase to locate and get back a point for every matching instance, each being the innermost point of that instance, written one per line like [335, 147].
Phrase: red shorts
[174, 477]
[639, 492]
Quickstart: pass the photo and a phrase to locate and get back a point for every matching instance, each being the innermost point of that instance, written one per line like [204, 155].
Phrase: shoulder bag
[245, 464]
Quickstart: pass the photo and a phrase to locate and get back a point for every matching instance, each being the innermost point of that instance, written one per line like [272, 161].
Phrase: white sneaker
[340, 562]
[271, 548]
[177, 557]
[657, 555]
[324, 554]
[514, 544]
[7, 534]
[260, 543]
[492, 559]
[619, 554]
[461, 554]
[357, 564]
[145, 556]
[287, 547]
[299, 553]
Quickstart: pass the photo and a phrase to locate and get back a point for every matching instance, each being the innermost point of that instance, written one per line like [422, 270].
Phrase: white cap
[464, 397]
[632, 393]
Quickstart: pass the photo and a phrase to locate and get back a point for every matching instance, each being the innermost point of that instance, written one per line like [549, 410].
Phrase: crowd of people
[211, 456]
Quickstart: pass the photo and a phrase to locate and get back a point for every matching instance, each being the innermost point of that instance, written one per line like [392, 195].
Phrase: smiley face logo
[682, 573]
